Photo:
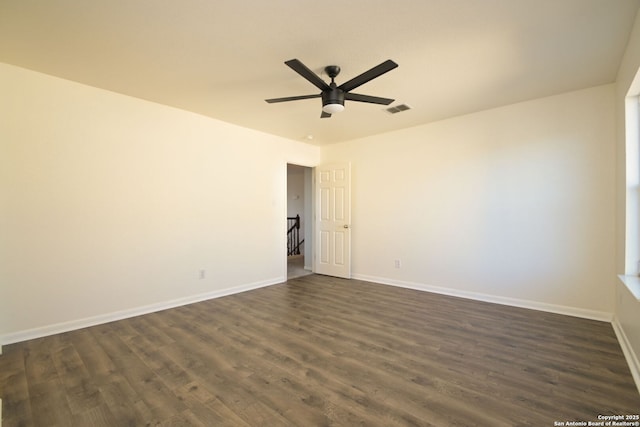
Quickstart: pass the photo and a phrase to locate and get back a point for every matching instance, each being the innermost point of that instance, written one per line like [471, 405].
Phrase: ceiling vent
[397, 109]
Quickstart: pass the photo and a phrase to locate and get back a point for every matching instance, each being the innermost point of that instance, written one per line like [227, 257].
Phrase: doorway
[299, 221]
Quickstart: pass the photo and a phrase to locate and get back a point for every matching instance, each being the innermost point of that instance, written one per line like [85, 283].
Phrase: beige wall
[111, 204]
[515, 204]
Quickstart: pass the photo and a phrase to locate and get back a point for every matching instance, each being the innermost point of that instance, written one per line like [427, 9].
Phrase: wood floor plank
[49, 404]
[123, 401]
[14, 388]
[322, 351]
[97, 416]
[154, 356]
[95, 359]
[203, 406]
[81, 391]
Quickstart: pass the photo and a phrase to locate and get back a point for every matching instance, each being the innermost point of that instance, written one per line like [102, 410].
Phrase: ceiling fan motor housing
[333, 96]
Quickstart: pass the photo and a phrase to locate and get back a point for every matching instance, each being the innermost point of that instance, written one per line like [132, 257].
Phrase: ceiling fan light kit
[332, 108]
[333, 96]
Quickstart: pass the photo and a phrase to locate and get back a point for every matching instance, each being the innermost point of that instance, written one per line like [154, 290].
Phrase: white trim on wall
[125, 314]
[515, 302]
[138, 311]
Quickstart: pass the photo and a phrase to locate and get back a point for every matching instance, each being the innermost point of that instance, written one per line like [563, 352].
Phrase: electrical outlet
[397, 263]
[203, 274]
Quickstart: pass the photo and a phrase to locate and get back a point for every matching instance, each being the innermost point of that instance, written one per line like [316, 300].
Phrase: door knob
[345, 226]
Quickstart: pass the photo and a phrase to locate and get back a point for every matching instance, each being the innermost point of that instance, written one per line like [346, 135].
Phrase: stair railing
[293, 236]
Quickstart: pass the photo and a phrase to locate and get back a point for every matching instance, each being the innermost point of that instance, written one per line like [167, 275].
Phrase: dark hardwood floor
[319, 351]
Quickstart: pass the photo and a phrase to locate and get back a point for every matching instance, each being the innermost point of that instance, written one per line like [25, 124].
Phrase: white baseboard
[533, 305]
[629, 354]
[124, 314]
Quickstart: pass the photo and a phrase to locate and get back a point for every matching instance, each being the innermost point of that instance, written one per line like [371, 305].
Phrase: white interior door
[333, 220]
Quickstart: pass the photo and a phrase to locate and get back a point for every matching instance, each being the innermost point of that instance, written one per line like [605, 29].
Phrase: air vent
[397, 109]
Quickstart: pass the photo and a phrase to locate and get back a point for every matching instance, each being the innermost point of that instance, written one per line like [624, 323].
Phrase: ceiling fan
[333, 96]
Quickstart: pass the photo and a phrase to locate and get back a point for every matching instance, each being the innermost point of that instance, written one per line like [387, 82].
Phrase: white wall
[514, 204]
[627, 309]
[110, 203]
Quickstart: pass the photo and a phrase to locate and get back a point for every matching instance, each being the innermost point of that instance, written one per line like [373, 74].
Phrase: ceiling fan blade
[376, 71]
[367, 98]
[325, 115]
[305, 72]
[292, 98]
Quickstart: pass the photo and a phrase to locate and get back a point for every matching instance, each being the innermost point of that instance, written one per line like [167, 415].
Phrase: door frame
[308, 218]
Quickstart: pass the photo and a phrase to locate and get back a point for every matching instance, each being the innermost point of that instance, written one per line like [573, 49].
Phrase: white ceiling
[222, 58]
